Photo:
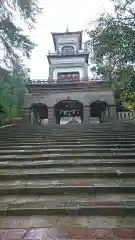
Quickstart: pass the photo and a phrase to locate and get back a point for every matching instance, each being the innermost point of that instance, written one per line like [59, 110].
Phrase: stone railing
[67, 53]
[13, 121]
[126, 115]
[57, 81]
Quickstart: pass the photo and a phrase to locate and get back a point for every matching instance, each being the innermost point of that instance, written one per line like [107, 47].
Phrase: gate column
[86, 114]
[51, 117]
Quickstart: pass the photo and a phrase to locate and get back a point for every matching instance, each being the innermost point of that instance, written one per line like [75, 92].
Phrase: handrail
[56, 81]
[67, 53]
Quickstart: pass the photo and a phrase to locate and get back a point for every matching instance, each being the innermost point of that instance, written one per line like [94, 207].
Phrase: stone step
[74, 130]
[98, 186]
[71, 156]
[14, 205]
[67, 142]
[65, 199]
[67, 150]
[67, 163]
[56, 127]
[69, 139]
[65, 146]
[68, 136]
[72, 133]
[82, 168]
[71, 126]
[74, 198]
[66, 172]
[62, 127]
[75, 224]
[49, 127]
[69, 205]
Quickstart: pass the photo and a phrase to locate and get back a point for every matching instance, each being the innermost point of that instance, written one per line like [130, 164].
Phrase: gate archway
[98, 109]
[39, 113]
[68, 109]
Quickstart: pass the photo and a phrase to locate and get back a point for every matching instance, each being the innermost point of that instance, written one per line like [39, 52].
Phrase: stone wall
[86, 98]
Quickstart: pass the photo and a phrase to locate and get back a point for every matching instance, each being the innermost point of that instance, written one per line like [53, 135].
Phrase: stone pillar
[86, 114]
[51, 68]
[51, 117]
[107, 111]
[112, 111]
[106, 114]
[112, 114]
[31, 117]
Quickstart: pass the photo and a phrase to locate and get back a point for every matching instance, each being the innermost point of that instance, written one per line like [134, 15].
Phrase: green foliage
[15, 43]
[16, 47]
[28, 9]
[112, 41]
[11, 95]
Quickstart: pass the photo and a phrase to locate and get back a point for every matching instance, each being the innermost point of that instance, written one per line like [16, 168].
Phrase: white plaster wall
[67, 60]
[68, 69]
[64, 39]
[85, 69]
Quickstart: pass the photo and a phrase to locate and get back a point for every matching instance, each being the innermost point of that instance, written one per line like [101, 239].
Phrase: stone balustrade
[55, 81]
[126, 115]
[67, 53]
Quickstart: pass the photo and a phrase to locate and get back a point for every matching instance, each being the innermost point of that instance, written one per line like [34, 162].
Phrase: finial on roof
[67, 29]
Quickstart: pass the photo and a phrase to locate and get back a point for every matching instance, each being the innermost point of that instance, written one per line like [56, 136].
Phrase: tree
[113, 45]
[13, 41]
[15, 46]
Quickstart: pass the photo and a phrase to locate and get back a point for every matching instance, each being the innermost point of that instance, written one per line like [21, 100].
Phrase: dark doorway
[68, 108]
[39, 112]
[98, 110]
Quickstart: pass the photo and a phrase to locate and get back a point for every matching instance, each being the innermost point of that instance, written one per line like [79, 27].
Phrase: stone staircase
[75, 170]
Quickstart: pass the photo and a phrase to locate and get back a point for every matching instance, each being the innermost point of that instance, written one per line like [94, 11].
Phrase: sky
[55, 17]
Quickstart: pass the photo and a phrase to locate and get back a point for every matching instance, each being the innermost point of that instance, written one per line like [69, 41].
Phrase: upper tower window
[67, 50]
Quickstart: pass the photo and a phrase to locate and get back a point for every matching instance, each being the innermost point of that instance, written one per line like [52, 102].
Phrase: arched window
[67, 50]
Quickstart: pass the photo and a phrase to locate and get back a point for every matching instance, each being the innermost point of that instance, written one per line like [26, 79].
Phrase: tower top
[65, 37]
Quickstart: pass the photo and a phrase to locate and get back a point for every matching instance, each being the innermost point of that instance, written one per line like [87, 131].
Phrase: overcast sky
[55, 17]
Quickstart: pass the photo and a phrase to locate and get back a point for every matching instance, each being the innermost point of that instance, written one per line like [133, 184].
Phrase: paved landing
[67, 228]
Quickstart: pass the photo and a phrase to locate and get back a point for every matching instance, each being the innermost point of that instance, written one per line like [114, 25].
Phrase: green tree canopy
[15, 47]
[112, 42]
[14, 43]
